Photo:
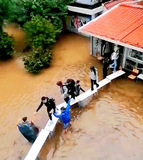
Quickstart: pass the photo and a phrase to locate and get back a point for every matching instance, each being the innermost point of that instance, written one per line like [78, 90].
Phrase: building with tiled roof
[122, 25]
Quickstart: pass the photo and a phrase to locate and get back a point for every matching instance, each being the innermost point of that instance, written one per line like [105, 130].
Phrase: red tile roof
[112, 3]
[123, 23]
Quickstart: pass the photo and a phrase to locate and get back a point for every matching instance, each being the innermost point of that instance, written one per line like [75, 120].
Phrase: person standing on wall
[71, 87]
[106, 62]
[49, 103]
[78, 88]
[64, 90]
[93, 77]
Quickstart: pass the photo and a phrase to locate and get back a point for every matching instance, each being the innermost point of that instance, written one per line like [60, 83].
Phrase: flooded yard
[110, 127]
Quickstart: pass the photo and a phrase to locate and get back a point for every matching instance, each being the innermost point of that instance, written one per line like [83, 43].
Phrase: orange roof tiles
[123, 23]
[112, 3]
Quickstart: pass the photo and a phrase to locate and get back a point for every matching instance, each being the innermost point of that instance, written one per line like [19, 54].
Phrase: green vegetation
[38, 60]
[6, 46]
[40, 32]
[42, 21]
[54, 10]
[4, 12]
[6, 42]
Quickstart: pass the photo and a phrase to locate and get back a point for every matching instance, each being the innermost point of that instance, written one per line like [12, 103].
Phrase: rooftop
[123, 24]
[112, 3]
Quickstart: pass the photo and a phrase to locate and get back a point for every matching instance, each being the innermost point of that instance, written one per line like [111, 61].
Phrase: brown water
[110, 127]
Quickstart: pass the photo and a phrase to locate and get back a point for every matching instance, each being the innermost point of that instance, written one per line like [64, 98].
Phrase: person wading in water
[28, 130]
[64, 116]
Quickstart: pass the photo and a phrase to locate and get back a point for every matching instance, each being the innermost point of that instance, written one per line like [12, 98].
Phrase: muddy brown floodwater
[109, 127]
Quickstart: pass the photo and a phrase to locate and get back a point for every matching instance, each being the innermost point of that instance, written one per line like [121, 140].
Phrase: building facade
[122, 25]
[81, 12]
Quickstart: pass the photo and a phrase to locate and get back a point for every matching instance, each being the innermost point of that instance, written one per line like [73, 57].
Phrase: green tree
[54, 10]
[40, 32]
[6, 46]
[42, 21]
[38, 60]
[6, 42]
[4, 12]
[20, 11]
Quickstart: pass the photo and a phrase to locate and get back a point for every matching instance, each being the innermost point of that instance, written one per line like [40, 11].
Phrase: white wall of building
[88, 2]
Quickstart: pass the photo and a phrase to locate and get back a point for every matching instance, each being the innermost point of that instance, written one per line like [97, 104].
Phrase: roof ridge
[133, 4]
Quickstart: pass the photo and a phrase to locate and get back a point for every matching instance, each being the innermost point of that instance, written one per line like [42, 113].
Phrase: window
[130, 64]
[136, 54]
[140, 65]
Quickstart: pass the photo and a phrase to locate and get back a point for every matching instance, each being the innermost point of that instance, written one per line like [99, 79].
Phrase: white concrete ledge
[140, 76]
[87, 94]
[104, 82]
[37, 145]
[84, 10]
[51, 124]
[115, 74]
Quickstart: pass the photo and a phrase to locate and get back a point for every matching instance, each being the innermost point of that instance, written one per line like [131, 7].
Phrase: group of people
[69, 89]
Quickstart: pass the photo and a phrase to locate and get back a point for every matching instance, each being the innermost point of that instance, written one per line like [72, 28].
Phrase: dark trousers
[92, 84]
[105, 72]
[50, 115]
[71, 93]
[66, 99]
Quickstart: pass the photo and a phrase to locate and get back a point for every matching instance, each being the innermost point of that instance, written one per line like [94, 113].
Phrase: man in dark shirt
[78, 88]
[49, 103]
[71, 87]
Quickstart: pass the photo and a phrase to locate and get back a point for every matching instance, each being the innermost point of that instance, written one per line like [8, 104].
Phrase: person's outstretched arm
[41, 104]
[18, 122]
[58, 116]
[82, 89]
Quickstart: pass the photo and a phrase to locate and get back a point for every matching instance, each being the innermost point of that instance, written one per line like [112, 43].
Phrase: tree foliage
[38, 60]
[42, 21]
[4, 11]
[54, 10]
[6, 42]
[40, 32]
[6, 46]
[20, 11]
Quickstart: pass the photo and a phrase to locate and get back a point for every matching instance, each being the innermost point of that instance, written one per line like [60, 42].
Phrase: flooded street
[110, 127]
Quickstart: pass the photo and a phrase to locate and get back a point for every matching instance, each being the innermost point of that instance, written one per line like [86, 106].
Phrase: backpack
[77, 89]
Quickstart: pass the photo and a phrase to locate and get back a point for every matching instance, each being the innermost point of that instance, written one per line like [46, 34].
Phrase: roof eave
[112, 41]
